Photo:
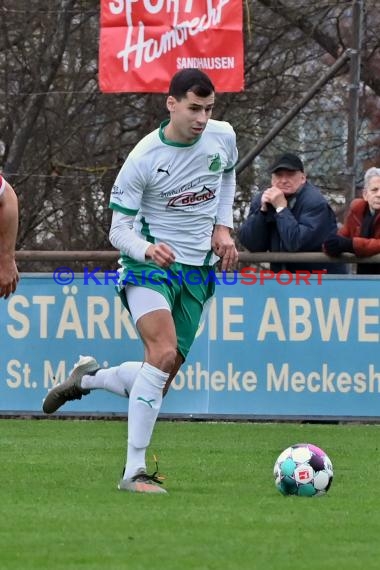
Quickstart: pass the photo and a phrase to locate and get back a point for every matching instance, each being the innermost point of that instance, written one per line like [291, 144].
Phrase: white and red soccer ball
[304, 470]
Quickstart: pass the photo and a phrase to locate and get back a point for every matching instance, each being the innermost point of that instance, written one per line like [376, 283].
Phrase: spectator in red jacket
[360, 233]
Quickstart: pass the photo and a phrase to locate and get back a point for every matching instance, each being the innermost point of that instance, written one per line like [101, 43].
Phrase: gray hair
[371, 173]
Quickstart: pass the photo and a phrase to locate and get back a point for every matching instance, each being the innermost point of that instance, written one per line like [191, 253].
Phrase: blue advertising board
[307, 349]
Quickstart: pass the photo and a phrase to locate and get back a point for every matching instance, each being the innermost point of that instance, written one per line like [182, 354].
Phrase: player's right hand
[161, 254]
[8, 277]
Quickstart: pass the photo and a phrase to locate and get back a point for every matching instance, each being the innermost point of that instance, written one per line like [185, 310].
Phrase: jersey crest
[214, 162]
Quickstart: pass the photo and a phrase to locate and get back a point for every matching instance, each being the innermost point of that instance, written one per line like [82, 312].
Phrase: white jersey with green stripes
[173, 189]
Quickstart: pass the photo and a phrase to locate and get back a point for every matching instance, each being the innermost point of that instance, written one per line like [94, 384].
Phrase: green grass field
[60, 508]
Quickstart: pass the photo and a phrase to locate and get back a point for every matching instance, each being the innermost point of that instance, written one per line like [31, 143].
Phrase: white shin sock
[145, 401]
[118, 379]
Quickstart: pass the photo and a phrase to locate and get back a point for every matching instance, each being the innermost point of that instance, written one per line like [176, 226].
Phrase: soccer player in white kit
[172, 215]
[8, 234]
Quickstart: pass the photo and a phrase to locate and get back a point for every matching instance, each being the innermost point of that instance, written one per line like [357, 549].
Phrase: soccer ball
[304, 470]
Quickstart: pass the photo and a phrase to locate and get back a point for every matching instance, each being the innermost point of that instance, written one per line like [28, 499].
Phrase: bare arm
[8, 234]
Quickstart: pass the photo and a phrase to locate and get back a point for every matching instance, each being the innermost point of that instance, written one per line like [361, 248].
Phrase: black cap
[287, 161]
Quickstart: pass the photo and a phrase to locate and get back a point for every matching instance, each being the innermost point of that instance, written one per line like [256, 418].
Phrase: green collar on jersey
[172, 143]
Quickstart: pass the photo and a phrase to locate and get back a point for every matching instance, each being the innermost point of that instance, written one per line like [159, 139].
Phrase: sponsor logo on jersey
[164, 170]
[214, 162]
[192, 198]
[116, 190]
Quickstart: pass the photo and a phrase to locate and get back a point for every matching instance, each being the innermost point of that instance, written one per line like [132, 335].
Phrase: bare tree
[62, 142]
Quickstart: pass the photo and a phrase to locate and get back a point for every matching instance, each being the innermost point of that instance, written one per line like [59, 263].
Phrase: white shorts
[142, 301]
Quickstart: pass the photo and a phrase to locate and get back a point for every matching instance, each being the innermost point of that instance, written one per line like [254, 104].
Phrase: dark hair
[193, 80]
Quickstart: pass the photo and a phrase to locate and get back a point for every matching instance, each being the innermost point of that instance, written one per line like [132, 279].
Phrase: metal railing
[244, 257]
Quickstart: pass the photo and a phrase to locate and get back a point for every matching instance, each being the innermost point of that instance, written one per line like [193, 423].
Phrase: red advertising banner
[144, 42]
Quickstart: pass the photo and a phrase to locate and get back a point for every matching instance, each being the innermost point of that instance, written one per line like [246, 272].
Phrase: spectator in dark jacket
[291, 215]
[360, 233]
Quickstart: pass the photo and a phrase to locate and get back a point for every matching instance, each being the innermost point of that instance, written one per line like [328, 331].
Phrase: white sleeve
[123, 237]
[2, 185]
[224, 214]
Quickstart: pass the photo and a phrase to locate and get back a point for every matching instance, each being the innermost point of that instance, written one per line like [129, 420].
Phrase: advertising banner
[275, 350]
[143, 43]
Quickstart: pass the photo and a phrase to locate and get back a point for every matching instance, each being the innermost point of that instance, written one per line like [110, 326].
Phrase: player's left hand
[224, 246]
